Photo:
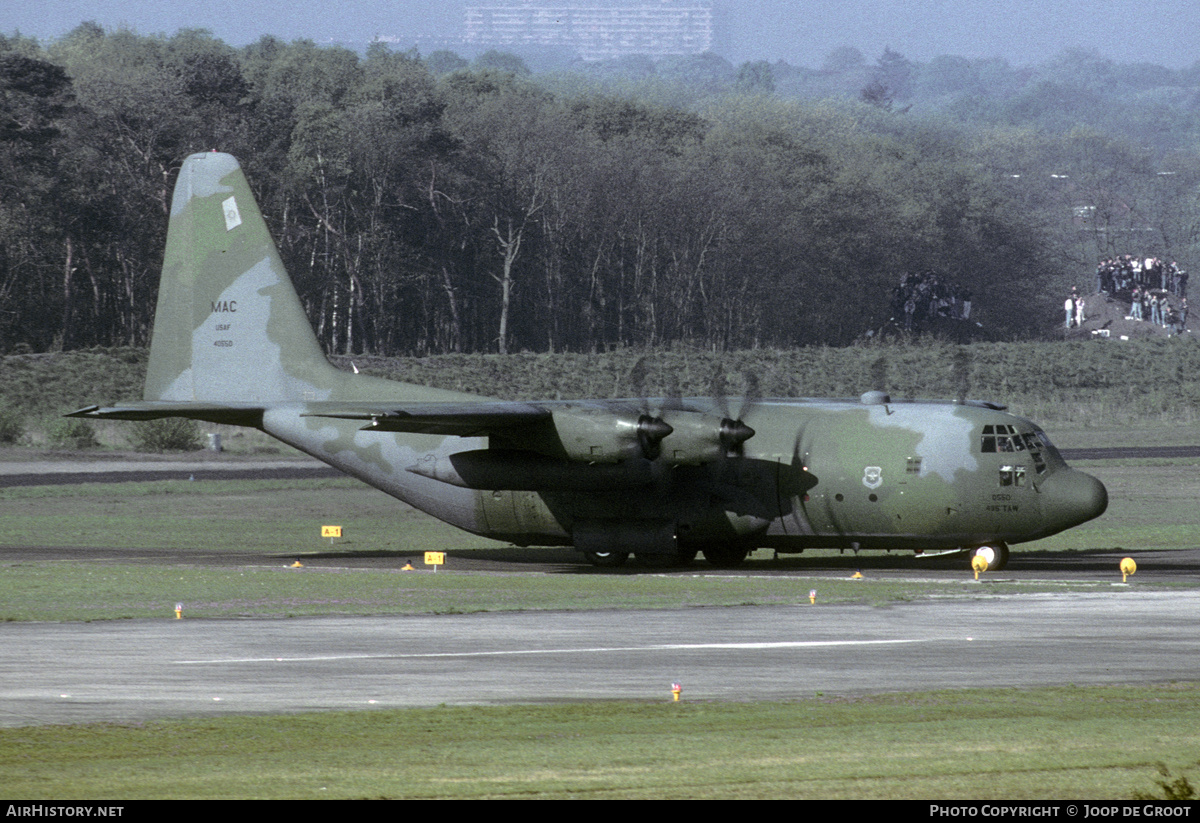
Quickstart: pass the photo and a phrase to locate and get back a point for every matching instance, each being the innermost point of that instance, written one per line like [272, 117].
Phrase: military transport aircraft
[660, 479]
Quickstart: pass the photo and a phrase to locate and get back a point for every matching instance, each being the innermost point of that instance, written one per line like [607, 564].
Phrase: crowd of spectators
[1119, 276]
[924, 297]
[1156, 293]
[1147, 283]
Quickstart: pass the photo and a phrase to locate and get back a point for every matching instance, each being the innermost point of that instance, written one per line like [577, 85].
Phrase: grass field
[1013, 744]
[277, 523]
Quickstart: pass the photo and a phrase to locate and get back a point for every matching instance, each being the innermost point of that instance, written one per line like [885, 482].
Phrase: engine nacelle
[603, 436]
[702, 438]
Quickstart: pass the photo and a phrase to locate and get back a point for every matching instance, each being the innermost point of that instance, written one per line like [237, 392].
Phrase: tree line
[430, 208]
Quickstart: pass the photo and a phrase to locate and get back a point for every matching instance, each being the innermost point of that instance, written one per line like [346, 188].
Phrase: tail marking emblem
[233, 218]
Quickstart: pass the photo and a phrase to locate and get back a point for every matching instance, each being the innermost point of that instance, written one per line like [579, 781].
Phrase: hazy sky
[1166, 32]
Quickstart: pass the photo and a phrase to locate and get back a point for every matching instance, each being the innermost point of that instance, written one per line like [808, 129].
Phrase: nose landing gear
[996, 555]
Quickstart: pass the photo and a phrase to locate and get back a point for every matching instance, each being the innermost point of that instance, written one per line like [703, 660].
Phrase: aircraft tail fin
[229, 326]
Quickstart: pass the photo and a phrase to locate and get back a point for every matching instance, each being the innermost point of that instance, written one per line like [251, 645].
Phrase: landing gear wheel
[996, 555]
[725, 557]
[606, 560]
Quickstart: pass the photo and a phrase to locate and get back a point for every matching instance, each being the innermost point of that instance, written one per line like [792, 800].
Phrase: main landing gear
[725, 557]
[648, 560]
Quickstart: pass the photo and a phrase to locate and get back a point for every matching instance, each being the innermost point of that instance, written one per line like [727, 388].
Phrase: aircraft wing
[590, 431]
[461, 419]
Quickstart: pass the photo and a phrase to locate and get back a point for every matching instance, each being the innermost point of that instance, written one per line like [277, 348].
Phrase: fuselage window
[1012, 476]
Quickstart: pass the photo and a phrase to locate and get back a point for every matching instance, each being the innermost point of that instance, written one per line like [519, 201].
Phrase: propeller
[698, 437]
[733, 432]
[651, 432]
[651, 429]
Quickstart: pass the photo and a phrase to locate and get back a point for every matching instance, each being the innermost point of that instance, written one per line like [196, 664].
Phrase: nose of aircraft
[1072, 497]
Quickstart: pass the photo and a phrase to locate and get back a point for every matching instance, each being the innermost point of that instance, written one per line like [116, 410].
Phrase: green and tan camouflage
[661, 479]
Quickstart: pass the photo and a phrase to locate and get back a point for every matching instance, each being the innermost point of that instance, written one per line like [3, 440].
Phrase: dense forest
[434, 205]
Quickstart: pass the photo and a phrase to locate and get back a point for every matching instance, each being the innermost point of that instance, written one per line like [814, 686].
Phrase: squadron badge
[872, 476]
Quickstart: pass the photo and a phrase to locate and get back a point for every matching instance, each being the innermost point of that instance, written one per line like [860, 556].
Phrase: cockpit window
[1003, 438]
[998, 439]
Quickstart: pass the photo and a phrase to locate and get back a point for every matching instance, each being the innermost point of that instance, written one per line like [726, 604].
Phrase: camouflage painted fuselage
[232, 345]
[817, 473]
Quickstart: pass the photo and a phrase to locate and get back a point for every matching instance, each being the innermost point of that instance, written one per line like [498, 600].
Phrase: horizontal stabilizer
[233, 413]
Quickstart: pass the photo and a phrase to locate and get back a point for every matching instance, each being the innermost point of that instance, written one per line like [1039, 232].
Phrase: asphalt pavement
[133, 670]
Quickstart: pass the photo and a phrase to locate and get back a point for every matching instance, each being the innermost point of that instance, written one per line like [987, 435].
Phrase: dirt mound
[1107, 316]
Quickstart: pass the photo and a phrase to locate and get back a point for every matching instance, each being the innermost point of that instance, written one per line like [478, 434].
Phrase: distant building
[595, 29]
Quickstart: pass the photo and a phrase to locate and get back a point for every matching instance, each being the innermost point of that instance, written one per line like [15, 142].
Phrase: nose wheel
[996, 555]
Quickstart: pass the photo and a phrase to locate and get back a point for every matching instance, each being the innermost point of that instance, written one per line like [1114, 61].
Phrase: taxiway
[143, 669]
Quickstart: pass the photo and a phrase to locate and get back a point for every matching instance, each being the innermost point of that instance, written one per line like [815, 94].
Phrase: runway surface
[141, 468]
[142, 669]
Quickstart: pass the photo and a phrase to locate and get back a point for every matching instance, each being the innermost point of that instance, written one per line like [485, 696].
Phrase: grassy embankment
[1103, 392]
[1093, 743]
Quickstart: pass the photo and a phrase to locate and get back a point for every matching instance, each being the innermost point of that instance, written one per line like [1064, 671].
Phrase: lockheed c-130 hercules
[659, 479]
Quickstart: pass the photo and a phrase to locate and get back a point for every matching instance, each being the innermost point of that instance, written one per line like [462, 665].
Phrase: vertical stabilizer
[228, 326]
